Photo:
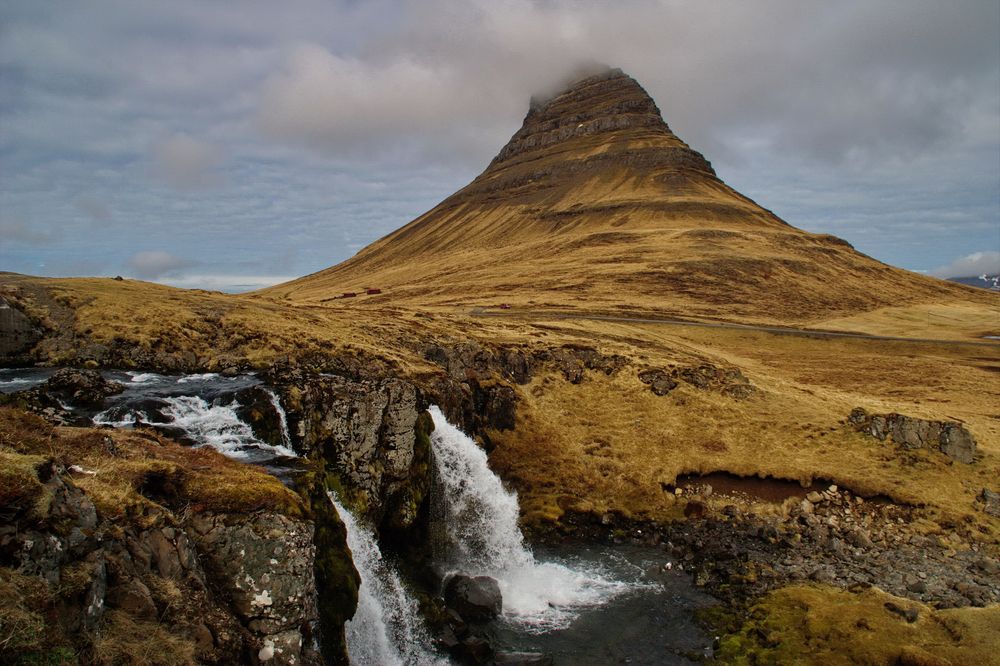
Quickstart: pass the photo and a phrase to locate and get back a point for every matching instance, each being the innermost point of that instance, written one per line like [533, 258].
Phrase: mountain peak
[598, 103]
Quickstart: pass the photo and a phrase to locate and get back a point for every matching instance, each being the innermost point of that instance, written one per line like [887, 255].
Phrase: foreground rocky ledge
[115, 546]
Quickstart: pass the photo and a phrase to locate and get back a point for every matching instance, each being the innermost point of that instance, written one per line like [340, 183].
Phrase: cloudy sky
[235, 144]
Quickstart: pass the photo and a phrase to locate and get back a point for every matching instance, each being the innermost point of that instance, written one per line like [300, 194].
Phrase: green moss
[817, 624]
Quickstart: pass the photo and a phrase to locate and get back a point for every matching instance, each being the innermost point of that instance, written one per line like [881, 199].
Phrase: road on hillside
[777, 330]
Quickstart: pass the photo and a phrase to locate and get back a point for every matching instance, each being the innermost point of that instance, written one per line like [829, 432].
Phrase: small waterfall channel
[386, 629]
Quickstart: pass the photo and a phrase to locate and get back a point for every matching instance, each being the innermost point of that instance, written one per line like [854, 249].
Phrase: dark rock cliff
[98, 567]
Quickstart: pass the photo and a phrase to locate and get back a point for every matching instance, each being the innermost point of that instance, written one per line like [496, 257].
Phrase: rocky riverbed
[737, 551]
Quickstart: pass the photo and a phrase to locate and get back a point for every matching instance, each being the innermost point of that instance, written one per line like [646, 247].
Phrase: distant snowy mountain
[991, 282]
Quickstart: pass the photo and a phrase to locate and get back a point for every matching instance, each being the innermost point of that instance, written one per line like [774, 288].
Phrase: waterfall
[217, 426]
[481, 536]
[286, 438]
[386, 629]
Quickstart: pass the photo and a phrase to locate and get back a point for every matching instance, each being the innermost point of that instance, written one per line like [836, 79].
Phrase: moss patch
[817, 624]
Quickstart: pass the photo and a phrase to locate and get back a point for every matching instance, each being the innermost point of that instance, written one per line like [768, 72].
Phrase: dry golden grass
[133, 470]
[815, 624]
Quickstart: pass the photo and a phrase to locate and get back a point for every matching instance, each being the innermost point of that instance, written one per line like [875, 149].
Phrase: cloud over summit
[310, 130]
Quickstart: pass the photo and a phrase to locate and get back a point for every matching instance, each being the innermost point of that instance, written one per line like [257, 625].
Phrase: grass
[134, 469]
[816, 624]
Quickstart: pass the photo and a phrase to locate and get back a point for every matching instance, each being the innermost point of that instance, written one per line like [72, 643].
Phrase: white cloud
[227, 283]
[977, 263]
[186, 163]
[153, 264]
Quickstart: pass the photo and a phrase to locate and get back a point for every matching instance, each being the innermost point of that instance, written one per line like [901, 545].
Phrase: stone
[949, 437]
[134, 598]
[908, 614]
[815, 497]
[695, 509]
[84, 387]
[991, 502]
[475, 650]
[476, 599]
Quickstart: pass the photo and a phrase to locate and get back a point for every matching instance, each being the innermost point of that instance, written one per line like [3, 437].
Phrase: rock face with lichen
[949, 437]
[365, 435]
[199, 584]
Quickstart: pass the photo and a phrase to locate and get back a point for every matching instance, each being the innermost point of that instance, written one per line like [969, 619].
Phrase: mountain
[991, 282]
[596, 204]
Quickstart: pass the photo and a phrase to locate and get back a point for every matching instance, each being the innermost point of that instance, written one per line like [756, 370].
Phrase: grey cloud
[96, 209]
[853, 81]
[875, 121]
[153, 264]
[977, 263]
[20, 231]
[186, 163]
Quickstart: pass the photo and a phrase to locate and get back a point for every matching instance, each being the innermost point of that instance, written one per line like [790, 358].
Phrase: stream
[578, 603]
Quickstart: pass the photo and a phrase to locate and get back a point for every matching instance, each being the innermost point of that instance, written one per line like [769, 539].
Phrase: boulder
[949, 437]
[476, 599]
[84, 387]
[991, 502]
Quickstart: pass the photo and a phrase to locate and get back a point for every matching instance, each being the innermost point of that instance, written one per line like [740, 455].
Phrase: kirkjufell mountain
[595, 203]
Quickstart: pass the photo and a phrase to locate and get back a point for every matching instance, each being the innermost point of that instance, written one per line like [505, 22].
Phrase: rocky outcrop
[949, 437]
[728, 381]
[82, 387]
[604, 103]
[142, 554]
[371, 440]
[18, 334]
[230, 587]
[55, 399]
[477, 390]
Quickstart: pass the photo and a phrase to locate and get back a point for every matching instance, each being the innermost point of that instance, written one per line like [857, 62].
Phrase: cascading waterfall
[217, 426]
[286, 437]
[481, 537]
[386, 629]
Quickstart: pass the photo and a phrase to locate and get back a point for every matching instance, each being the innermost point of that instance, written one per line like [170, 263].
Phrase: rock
[475, 650]
[17, 332]
[949, 437]
[134, 598]
[83, 387]
[815, 497]
[991, 502]
[695, 509]
[476, 599]
[659, 382]
[908, 614]
[264, 563]
[368, 433]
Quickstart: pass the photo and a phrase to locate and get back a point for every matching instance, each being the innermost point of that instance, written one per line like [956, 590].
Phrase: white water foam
[205, 376]
[217, 426]
[479, 517]
[144, 377]
[386, 629]
[108, 418]
[286, 437]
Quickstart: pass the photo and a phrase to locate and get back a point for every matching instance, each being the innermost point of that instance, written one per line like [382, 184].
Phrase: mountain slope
[595, 204]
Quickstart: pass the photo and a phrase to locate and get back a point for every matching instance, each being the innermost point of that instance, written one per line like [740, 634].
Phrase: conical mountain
[596, 204]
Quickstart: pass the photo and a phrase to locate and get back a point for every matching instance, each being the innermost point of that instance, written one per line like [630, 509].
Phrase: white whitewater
[386, 629]
[286, 437]
[479, 518]
[217, 426]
